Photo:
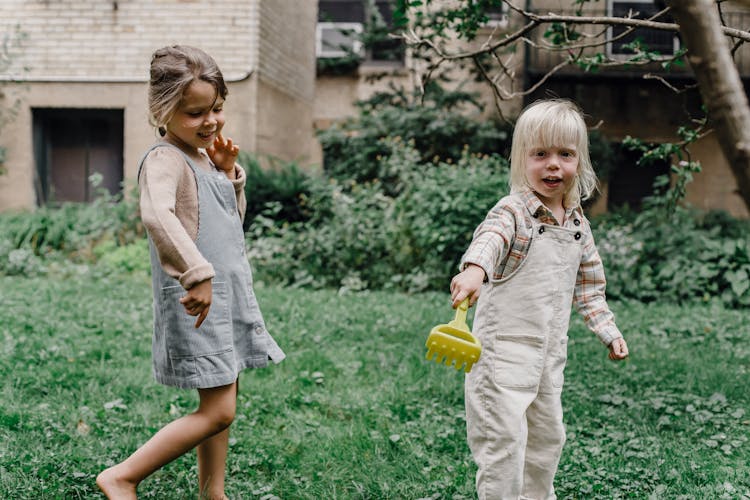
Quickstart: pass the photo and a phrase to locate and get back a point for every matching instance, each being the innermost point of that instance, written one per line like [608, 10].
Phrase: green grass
[355, 411]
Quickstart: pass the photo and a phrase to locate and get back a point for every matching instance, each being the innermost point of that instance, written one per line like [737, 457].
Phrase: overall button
[259, 330]
[578, 235]
[541, 230]
[576, 222]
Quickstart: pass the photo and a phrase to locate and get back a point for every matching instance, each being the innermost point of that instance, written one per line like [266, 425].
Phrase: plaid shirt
[502, 240]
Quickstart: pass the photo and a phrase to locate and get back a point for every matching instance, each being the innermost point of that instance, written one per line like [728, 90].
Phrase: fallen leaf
[117, 403]
[83, 428]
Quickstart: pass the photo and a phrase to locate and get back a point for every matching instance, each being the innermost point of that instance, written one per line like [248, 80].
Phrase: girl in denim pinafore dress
[207, 324]
[233, 336]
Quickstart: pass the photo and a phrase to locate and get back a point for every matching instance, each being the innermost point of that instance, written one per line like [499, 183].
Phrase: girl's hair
[173, 69]
[547, 123]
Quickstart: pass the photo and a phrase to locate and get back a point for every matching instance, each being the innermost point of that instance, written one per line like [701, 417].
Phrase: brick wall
[115, 39]
[286, 46]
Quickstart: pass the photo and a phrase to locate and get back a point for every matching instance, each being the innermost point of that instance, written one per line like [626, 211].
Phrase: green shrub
[70, 231]
[690, 256]
[285, 184]
[74, 228]
[350, 246]
[369, 239]
[133, 257]
[19, 261]
[439, 128]
[437, 213]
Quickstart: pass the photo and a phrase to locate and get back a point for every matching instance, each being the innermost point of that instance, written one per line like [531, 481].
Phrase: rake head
[449, 345]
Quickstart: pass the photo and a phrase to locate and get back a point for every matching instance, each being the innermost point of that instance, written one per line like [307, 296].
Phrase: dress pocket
[519, 360]
[183, 340]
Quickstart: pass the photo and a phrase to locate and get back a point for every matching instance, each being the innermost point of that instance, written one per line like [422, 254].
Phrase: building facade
[620, 102]
[77, 75]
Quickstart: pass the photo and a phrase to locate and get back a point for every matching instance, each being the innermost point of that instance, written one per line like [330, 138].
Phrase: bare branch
[651, 76]
[541, 81]
[495, 89]
[537, 20]
[600, 43]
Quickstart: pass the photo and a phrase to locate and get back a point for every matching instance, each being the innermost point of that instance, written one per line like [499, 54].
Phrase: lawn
[355, 411]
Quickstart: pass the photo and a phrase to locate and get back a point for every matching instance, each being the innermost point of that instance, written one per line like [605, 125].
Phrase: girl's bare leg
[215, 414]
[212, 456]
[212, 459]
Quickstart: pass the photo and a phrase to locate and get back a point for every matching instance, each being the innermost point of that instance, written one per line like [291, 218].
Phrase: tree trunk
[720, 85]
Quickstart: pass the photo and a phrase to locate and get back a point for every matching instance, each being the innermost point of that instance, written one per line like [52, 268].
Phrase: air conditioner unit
[338, 39]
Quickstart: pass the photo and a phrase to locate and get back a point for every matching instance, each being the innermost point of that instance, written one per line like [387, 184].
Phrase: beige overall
[513, 407]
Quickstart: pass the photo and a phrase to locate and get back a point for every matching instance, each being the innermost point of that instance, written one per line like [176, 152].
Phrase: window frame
[84, 120]
[321, 52]
[498, 19]
[368, 55]
[610, 33]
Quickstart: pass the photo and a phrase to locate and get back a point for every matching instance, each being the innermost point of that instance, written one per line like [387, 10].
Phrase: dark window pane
[341, 11]
[386, 48]
[380, 47]
[72, 144]
[655, 40]
[630, 183]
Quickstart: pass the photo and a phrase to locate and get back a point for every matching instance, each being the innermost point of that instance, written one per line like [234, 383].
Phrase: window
[342, 25]
[663, 42]
[629, 183]
[72, 144]
[338, 39]
[498, 16]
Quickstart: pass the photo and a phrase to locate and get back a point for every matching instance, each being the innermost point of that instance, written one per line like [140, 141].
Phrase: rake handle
[461, 310]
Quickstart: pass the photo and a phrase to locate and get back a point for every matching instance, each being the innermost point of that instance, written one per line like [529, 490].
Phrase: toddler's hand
[198, 300]
[618, 349]
[224, 155]
[467, 283]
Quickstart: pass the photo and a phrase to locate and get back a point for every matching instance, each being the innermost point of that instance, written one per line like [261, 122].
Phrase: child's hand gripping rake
[454, 342]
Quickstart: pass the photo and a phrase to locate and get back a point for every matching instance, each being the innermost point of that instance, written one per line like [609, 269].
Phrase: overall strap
[196, 170]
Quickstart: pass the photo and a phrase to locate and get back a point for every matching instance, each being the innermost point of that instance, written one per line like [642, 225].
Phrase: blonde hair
[547, 123]
[173, 69]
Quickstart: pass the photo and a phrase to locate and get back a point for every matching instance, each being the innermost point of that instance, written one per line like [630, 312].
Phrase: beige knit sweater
[169, 210]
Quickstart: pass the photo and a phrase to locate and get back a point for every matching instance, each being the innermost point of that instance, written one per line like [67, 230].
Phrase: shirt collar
[537, 209]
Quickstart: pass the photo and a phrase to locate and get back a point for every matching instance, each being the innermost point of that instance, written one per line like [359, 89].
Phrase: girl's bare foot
[114, 487]
[206, 496]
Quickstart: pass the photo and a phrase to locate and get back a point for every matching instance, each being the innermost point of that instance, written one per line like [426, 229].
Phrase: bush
[369, 239]
[350, 246]
[435, 216]
[437, 128]
[690, 256]
[71, 231]
[74, 228]
[285, 184]
[130, 258]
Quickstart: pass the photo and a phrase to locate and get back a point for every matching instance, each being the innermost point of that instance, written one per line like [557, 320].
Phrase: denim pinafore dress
[233, 336]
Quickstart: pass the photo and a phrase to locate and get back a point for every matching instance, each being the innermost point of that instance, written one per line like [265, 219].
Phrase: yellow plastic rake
[454, 342]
